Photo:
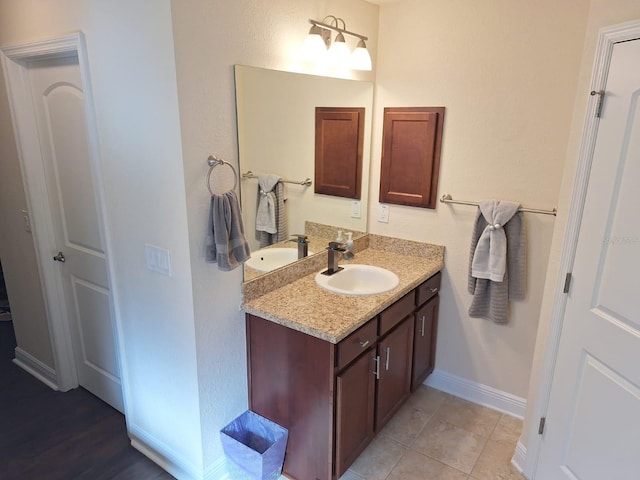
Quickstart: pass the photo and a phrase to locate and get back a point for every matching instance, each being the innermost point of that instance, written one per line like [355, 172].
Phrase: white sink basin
[267, 259]
[359, 280]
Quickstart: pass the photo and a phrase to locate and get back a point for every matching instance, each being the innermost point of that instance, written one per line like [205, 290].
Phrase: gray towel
[266, 213]
[491, 299]
[280, 214]
[226, 244]
[490, 256]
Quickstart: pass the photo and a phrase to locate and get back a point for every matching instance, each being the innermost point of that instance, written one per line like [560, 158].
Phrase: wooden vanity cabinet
[394, 371]
[355, 403]
[425, 330]
[333, 398]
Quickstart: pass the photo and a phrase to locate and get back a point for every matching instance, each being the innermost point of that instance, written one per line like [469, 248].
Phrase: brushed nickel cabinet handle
[422, 326]
[376, 372]
[364, 343]
[386, 363]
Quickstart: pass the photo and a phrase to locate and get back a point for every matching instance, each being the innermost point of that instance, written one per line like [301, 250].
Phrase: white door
[592, 430]
[58, 102]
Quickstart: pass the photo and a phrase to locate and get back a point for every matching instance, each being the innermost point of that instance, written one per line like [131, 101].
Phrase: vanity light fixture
[338, 55]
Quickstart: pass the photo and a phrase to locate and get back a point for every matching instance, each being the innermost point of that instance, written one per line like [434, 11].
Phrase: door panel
[92, 304]
[424, 342]
[63, 106]
[58, 100]
[593, 421]
[614, 292]
[394, 385]
[354, 411]
[591, 457]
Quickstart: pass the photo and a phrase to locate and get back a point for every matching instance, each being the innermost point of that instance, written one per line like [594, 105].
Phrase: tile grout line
[485, 446]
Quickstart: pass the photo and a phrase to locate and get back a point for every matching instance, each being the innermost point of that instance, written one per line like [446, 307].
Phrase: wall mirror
[276, 135]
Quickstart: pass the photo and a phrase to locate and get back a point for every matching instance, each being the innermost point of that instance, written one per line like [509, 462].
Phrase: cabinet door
[411, 144]
[355, 393]
[424, 345]
[394, 384]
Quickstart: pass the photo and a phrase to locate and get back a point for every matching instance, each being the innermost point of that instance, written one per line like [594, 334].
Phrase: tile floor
[436, 436]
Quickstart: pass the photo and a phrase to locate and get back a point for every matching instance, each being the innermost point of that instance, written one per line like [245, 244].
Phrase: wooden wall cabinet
[335, 398]
[411, 145]
[339, 147]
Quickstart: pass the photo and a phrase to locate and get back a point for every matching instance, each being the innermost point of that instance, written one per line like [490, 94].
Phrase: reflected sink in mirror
[359, 280]
[276, 135]
[267, 259]
[318, 236]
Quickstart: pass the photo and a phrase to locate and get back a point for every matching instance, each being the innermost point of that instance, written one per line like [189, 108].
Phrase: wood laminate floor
[48, 435]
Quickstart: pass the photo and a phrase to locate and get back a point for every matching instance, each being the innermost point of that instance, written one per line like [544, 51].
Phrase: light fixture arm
[335, 27]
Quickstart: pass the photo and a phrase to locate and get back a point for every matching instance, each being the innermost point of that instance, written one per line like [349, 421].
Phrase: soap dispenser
[339, 238]
[349, 242]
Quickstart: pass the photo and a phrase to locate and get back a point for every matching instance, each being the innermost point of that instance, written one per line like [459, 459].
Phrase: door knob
[60, 257]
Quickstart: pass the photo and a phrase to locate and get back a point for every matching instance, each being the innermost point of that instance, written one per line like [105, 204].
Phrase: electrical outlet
[355, 209]
[383, 213]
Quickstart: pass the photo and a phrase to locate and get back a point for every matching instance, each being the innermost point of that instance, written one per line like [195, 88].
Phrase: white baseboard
[161, 454]
[35, 367]
[519, 457]
[477, 393]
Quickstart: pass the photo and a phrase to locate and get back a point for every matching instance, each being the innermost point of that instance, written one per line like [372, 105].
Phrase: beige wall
[507, 76]
[210, 38]
[602, 13]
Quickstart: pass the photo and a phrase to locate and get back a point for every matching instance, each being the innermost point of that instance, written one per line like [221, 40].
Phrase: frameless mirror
[276, 135]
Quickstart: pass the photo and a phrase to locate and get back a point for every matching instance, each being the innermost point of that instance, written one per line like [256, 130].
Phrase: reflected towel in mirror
[271, 218]
[266, 214]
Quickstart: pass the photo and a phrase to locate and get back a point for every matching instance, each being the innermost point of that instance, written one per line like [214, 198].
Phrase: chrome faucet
[333, 251]
[303, 245]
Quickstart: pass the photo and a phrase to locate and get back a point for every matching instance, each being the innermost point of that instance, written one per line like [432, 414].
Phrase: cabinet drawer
[356, 343]
[397, 312]
[428, 289]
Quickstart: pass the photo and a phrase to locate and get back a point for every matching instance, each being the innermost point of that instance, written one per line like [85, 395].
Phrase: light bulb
[360, 58]
[339, 54]
[314, 49]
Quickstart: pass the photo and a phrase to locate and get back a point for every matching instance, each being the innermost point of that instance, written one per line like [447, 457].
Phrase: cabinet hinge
[600, 94]
[541, 425]
[567, 283]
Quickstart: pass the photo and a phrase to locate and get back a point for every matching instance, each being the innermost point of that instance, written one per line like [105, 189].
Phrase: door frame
[14, 61]
[607, 38]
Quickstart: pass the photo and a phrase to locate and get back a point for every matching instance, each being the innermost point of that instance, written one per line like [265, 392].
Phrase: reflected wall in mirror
[276, 135]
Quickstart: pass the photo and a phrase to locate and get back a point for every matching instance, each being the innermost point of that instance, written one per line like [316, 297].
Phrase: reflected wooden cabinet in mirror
[339, 143]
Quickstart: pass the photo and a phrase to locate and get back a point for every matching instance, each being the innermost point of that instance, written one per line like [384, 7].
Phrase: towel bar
[306, 182]
[448, 199]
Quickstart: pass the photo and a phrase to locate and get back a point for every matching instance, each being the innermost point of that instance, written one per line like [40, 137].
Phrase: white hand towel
[266, 214]
[490, 256]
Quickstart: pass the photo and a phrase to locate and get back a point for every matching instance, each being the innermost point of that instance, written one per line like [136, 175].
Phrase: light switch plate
[158, 259]
[26, 220]
[383, 213]
[355, 209]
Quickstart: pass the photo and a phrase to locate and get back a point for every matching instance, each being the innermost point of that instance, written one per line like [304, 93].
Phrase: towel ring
[213, 163]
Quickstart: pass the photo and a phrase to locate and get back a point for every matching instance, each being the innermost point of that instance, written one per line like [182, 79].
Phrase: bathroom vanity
[335, 383]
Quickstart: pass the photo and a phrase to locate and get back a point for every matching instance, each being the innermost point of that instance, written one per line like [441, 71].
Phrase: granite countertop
[304, 306]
